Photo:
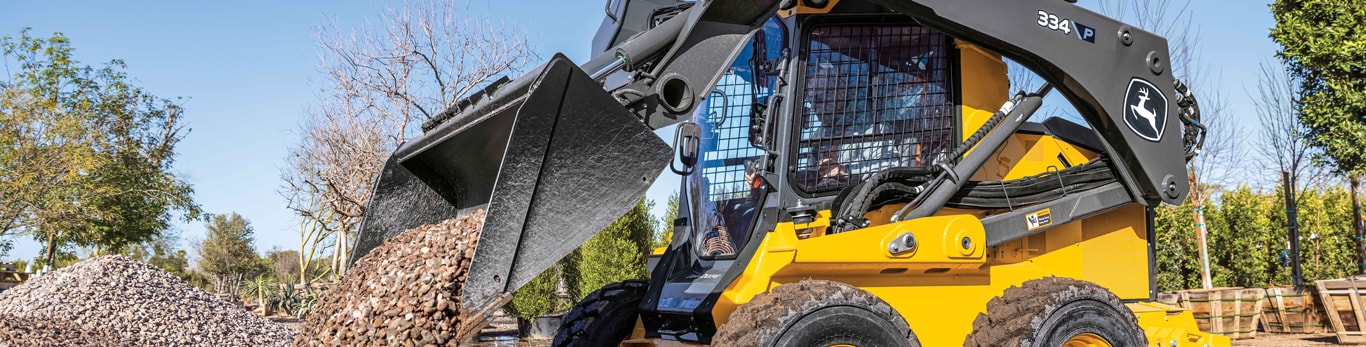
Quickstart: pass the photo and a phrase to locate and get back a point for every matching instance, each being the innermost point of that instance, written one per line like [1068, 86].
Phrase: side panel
[938, 296]
[985, 85]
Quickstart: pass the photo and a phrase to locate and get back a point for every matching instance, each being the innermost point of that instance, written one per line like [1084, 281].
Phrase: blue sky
[248, 71]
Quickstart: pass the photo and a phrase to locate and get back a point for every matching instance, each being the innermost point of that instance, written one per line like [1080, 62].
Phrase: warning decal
[1039, 219]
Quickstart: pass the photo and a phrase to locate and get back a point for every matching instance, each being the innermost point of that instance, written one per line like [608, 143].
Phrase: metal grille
[876, 97]
[727, 152]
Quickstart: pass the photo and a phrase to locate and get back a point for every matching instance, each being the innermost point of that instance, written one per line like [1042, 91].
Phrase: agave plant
[287, 300]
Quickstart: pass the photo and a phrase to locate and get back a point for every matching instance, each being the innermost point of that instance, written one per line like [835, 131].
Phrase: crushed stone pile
[41, 332]
[133, 303]
[406, 292]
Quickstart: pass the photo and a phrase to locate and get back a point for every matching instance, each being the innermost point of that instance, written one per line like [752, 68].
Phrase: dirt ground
[1288, 340]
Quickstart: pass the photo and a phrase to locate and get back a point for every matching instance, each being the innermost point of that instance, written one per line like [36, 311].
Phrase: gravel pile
[130, 302]
[406, 292]
[39, 332]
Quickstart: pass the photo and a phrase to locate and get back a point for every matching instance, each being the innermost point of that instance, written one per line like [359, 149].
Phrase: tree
[666, 222]
[227, 255]
[164, 253]
[1284, 138]
[284, 265]
[617, 253]
[1248, 242]
[1177, 261]
[541, 296]
[1285, 142]
[1214, 167]
[85, 155]
[382, 82]
[1321, 41]
[1327, 233]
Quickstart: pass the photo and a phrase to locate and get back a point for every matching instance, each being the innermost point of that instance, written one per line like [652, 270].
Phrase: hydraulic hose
[1001, 126]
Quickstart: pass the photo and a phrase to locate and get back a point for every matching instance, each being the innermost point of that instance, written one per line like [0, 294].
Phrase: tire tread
[1014, 318]
[579, 324]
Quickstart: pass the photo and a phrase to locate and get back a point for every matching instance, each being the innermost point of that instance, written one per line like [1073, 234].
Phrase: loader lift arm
[531, 150]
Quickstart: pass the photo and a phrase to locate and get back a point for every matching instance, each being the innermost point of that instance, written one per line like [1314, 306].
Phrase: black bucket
[551, 156]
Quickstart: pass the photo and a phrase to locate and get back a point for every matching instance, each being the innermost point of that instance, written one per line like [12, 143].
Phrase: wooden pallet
[1342, 303]
[1232, 312]
[1293, 310]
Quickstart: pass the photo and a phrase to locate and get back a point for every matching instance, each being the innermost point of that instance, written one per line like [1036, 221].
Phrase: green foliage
[282, 265]
[1244, 240]
[61, 258]
[85, 155]
[666, 222]
[1327, 239]
[1178, 258]
[293, 301]
[260, 288]
[227, 254]
[1249, 240]
[539, 297]
[1323, 43]
[617, 253]
[164, 253]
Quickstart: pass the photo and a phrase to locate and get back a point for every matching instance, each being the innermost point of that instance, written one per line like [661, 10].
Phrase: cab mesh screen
[726, 150]
[875, 97]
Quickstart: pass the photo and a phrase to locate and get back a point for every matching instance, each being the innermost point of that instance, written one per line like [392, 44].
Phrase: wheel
[604, 317]
[815, 313]
[1056, 311]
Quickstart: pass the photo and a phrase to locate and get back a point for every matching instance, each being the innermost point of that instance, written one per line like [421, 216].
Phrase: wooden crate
[1343, 305]
[1293, 310]
[1232, 312]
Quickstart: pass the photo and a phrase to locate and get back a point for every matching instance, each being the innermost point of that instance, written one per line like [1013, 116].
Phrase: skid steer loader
[853, 172]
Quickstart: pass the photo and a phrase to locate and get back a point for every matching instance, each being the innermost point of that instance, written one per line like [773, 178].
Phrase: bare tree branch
[381, 82]
[1283, 137]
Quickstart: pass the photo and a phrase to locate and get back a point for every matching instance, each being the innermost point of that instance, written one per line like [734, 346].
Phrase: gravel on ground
[133, 303]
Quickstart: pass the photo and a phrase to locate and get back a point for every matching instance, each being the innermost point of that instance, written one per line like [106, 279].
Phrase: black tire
[1052, 310]
[815, 313]
[604, 317]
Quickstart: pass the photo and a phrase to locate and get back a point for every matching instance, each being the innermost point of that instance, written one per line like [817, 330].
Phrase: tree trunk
[344, 251]
[1197, 205]
[1296, 274]
[1357, 224]
[51, 250]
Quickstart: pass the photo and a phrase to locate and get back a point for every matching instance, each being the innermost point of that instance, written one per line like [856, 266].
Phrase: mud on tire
[604, 317]
[815, 313]
[1052, 310]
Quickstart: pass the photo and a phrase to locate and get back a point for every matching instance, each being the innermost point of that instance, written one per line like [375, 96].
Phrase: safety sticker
[1039, 219]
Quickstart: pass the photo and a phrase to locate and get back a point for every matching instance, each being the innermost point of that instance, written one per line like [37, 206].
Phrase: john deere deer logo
[1146, 110]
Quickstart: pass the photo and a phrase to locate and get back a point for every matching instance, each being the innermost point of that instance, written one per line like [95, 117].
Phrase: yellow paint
[940, 287]
[1087, 340]
[984, 85]
[802, 8]
[1164, 324]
